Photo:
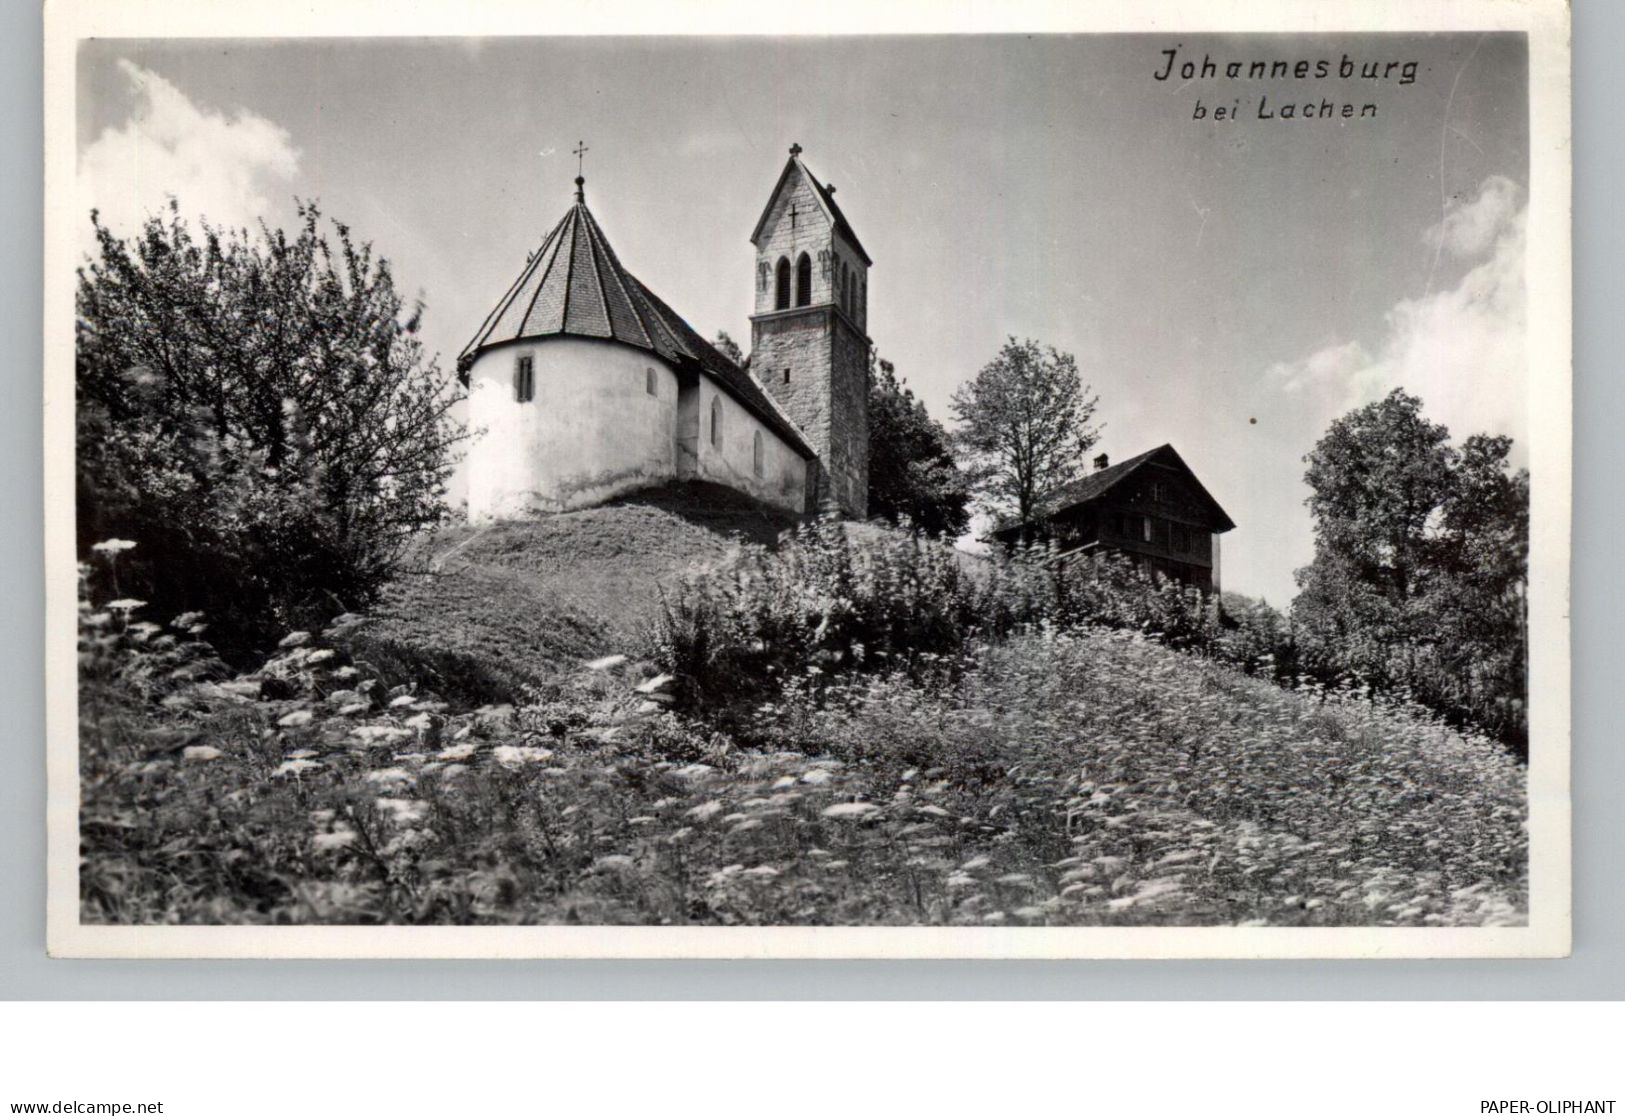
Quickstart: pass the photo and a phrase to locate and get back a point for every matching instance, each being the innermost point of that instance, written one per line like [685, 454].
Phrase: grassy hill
[483, 611]
[384, 772]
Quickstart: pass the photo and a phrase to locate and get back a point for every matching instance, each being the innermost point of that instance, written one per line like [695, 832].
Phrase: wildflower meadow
[1035, 768]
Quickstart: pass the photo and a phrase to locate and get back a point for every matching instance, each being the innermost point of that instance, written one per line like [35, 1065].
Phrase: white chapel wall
[783, 479]
[591, 431]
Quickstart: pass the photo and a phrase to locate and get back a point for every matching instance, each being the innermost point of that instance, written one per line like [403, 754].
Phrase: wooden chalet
[1150, 508]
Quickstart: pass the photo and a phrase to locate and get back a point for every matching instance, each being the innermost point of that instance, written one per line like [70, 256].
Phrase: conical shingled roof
[574, 285]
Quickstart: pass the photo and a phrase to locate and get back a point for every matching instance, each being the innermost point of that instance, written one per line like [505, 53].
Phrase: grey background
[1596, 971]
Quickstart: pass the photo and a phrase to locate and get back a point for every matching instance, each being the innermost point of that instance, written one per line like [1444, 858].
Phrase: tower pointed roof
[574, 285]
[825, 196]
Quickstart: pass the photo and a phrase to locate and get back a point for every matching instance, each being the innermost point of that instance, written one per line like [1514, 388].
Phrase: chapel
[584, 384]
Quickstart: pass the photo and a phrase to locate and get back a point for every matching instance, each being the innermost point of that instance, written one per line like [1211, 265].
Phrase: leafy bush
[822, 603]
[260, 416]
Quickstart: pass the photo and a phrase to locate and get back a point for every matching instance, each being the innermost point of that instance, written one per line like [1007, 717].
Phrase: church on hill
[584, 384]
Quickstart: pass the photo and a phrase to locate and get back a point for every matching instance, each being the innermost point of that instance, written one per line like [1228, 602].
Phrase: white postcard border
[1550, 451]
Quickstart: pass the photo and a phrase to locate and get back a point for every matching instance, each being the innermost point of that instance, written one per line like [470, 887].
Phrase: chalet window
[524, 380]
[756, 453]
[1118, 526]
[1159, 491]
[1182, 538]
[1145, 528]
[650, 384]
[803, 280]
[716, 423]
[781, 286]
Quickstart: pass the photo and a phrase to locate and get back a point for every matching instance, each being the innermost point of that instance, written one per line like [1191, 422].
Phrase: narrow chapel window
[781, 286]
[650, 385]
[803, 280]
[786, 375]
[756, 453]
[524, 380]
[716, 423]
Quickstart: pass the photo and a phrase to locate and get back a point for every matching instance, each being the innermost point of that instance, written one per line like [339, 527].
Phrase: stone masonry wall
[790, 356]
[816, 366]
[809, 233]
[849, 419]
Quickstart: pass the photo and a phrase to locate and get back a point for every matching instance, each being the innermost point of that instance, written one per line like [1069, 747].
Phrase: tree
[258, 415]
[1377, 480]
[912, 474]
[1421, 558]
[1479, 599]
[1024, 426]
[729, 348]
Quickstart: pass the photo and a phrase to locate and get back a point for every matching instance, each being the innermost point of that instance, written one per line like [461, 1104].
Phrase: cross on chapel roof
[580, 152]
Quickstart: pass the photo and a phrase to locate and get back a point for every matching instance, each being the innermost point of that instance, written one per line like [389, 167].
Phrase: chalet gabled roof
[1089, 488]
[826, 198]
[575, 286]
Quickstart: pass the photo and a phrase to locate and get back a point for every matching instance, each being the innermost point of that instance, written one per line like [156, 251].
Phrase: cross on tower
[580, 150]
[795, 150]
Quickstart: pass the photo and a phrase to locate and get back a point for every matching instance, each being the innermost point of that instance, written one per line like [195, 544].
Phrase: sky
[1228, 286]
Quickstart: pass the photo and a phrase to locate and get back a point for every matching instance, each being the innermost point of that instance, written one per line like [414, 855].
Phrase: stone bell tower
[809, 338]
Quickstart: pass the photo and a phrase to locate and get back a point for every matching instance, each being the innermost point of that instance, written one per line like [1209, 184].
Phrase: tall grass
[1034, 773]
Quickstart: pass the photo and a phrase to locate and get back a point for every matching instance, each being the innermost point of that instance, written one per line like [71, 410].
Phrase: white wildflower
[853, 810]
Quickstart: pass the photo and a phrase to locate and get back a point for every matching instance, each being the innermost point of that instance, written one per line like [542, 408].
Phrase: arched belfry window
[803, 280]
[716, 423]
[781, 286]
[756, 453]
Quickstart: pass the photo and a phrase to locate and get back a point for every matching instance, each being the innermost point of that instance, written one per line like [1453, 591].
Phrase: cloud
[1461, 350]
[217, 166]
[1471, 229]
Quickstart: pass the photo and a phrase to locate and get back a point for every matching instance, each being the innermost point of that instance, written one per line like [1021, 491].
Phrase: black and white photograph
[1080, 493]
